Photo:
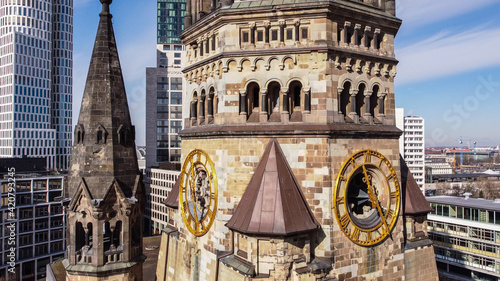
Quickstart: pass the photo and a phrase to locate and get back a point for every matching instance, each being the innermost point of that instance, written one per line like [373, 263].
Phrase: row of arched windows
[204, 106]
[84, 239]
[274, 100]
[361, 104]
[124, 135]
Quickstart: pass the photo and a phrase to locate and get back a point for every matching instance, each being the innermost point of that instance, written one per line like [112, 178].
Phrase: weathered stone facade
[105, 190]
[319, 78]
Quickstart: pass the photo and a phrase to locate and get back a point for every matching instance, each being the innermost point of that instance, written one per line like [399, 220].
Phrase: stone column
[345, 32]
[252, 33]
[375, 40]
[286, 102]
[194, 114]
[282, 24]
[267, 26]
[381, 105]
[243, 102]
[353, 114]
[263, 108]
[368, 94]
[210, 107]
[201, 111]
[307, 100]
[357, 30]
[297, 31]
[366, 37]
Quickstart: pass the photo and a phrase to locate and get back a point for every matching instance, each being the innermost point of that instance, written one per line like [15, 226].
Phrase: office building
[36, 46]
[466, 235]
[162, 182]
[412, 144]
[164, 86]
[40, 226]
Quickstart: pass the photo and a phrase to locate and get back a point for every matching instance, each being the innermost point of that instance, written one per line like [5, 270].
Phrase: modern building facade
[289, 127]
[162, 182]
[36, 51]
[466, 235]
[164, 86]
[413, 140]
[40, 225]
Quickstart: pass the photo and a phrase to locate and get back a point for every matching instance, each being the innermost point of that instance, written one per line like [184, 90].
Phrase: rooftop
[477, 203]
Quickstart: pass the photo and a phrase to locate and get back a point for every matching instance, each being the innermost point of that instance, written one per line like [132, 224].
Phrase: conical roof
[273, 203]
[104, 145]
[415, 202]
[172, 199]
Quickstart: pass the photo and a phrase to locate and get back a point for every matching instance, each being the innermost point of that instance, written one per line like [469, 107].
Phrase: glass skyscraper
[164, 85]
[36, 50]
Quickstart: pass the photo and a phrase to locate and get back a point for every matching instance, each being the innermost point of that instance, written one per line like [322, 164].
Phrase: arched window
[210, 103]
[123, 135]
[360, 100]
[294, 100]
[374, 101]
[106, 236]
[89, 235]
[80, 236]
[273, 96]
[80, 133]
[194, 109]
[252, 102]
[102, 135]
[344, 98]
[116, 239]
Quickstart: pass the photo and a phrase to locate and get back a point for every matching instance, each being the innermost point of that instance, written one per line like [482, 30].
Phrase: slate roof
[104, 107]
[172, 199]
[415, 202]
[273, 203]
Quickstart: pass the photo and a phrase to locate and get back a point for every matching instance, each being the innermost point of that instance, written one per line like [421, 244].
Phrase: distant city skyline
[449, 70]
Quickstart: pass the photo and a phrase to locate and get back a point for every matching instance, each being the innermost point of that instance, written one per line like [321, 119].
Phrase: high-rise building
[291, 167]
[412, 144]
[164, 85]
[36, 50]
[34, 231]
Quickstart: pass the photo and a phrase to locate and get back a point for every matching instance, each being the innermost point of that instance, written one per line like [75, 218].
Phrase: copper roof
[415, 202]
[172, 199]
[273, 203]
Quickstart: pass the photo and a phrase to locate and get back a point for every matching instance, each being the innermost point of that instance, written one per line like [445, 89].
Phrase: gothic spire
[104, 144]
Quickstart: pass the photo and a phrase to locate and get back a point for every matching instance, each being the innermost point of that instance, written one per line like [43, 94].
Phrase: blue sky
[449, 70]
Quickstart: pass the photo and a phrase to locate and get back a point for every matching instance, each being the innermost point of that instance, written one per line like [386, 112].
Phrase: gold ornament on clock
[367, 198]
[198, 192]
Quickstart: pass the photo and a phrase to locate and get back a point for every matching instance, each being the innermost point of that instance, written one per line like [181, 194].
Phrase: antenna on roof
[467, 195]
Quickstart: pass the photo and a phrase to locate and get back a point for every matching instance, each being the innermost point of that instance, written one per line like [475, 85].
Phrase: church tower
[290, 150]
[104, 216]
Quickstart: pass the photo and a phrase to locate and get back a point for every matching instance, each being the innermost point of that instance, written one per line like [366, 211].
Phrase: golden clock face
[367, 198]
[198, 192]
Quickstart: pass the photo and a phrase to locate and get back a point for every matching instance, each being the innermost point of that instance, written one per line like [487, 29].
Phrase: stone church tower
[290, 150]
[104, 216]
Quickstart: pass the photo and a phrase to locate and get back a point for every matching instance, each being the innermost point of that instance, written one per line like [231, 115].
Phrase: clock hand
[373, 198]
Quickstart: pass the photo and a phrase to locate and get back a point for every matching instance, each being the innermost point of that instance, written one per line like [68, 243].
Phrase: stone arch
[250, 101]
[123, 135]
[255, 63]
[242, 62]
[345, 78]
[226, 64]
[375, 81]
[285, 58]
[194, 106]
[270, 61]
[273, 88]
[344, 94]
[79, 133]
[360, 98]
[212, 101]
[102, 135]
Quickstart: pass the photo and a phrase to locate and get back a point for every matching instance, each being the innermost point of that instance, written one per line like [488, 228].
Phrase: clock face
[198, 192]
[367, 198]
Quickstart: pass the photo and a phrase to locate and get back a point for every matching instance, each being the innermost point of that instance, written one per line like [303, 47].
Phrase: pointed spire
[273, 203]
[104, 144]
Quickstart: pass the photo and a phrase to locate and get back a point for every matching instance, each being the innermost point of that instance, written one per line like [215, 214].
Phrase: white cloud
[418, 13]
[446, 54]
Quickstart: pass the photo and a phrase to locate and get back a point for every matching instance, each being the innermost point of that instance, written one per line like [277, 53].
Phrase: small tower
[104, 216]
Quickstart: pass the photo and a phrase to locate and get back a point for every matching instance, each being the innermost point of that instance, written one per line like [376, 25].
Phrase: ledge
[279, 130]
[101, 271]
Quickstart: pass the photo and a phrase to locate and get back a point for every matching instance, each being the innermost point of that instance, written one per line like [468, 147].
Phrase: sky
[448, 71]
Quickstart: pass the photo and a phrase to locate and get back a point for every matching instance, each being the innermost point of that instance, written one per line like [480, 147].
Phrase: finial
[105, 6]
